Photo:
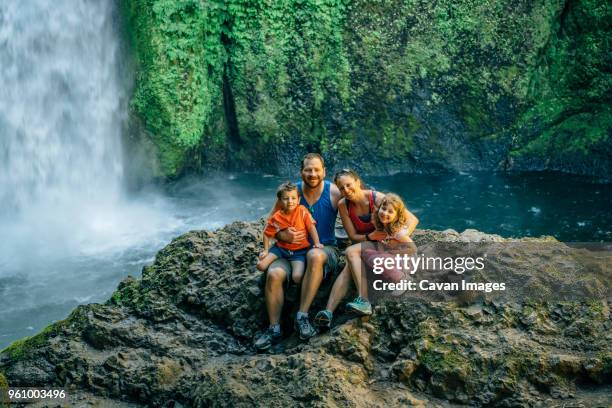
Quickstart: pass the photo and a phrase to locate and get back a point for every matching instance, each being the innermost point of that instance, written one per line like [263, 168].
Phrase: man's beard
[313, 183]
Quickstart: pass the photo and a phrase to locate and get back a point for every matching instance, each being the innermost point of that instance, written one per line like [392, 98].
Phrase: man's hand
[263, 254]
[377, 235]
[291, 235]
[319, 245]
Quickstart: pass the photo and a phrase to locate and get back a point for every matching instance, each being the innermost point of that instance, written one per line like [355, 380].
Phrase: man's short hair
[310, 156]
[285, 188]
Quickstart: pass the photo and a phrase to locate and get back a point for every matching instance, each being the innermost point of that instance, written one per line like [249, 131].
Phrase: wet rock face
[420, 86]
[182, 334]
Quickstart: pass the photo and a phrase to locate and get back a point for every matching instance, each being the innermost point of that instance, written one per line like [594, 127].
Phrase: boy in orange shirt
[292, 214]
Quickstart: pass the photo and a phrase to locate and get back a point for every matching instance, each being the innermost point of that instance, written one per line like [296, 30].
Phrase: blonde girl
[392, 217]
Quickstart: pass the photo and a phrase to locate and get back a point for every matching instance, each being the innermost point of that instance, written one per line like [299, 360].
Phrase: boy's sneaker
[323, 319]
[267, 339]
[304, 328]
[360, 306]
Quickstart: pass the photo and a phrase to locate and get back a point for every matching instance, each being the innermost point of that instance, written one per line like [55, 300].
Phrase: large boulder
[182, 334]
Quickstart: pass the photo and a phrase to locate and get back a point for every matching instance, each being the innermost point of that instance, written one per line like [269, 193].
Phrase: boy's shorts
[330, 268]
[299, 255]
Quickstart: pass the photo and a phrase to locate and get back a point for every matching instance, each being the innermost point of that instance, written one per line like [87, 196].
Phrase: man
[321, 198]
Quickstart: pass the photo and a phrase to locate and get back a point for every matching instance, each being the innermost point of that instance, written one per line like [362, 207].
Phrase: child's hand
[377, 235]
[318, 245]
[263, 254]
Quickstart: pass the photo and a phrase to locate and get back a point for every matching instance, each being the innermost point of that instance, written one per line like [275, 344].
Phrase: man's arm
[334, 195]
[291, 235]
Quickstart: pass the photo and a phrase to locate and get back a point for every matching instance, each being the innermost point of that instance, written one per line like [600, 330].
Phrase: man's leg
[315, 262]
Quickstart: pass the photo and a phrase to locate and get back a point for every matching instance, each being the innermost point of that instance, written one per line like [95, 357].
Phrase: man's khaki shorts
[330, 267]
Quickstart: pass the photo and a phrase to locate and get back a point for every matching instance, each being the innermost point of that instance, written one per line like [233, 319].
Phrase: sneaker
[267, 339]
[303, 326]
[360, 306]
[323, 319]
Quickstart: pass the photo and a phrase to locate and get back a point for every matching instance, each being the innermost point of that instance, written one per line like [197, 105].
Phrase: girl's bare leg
[340, 288]
[353, 257]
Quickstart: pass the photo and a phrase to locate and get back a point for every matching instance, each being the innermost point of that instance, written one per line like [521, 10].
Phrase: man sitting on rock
[321, 198]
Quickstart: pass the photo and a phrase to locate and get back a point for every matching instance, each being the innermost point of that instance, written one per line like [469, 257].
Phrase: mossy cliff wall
[383, 85]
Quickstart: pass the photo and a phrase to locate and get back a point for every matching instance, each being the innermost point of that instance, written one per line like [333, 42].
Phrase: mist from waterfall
[69, 232]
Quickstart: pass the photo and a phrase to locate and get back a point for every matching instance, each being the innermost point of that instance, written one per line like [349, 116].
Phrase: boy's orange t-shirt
[300, 219]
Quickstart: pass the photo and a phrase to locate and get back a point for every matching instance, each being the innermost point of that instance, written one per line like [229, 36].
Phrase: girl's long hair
[400, 220]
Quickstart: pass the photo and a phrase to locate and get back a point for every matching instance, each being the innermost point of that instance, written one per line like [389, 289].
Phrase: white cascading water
[62, 108]
[60, 104]
[68, 230]
[68, 233]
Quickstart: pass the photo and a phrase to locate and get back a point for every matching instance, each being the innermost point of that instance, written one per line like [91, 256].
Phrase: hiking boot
[267, 339]
[323, 319]
[360, 306]
[304, 328]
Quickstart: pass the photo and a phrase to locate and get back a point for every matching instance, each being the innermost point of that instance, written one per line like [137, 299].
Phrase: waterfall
[62, 108]
[60, 103]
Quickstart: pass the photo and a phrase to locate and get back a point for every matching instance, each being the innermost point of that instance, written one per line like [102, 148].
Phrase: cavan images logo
[408, 266]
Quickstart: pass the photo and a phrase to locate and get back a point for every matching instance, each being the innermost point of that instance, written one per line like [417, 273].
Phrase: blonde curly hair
[400, 221]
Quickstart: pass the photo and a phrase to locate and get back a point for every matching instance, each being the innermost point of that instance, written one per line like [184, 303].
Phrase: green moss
[597, 308]
[4, 402]
[328, 74]
[569, 91]
[475, 117]
[578, 133]
[21, 348]
[116, 298]
[180, 58]
[606, 358]
[442, 358]
[129, 293]
[449, 370]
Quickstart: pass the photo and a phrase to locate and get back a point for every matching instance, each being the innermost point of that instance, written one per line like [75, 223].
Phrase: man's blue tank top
[324, 214]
